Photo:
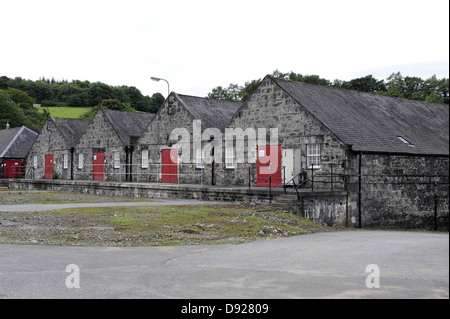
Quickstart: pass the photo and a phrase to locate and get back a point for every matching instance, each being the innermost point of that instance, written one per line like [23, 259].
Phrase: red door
[268, 163]
[49, 163]
[12, 169]
[169, 168]
[98, 169]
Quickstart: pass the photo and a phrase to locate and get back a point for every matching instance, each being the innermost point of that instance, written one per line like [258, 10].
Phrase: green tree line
[396, 85]
[81, 93]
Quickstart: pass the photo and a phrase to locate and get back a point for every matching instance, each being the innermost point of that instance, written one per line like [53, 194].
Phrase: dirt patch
[146, 225]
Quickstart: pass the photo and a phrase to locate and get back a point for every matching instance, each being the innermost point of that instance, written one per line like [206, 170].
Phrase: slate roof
[15, 143]
[213, 113]
[128, 124]
[372, 123]
[71, 129]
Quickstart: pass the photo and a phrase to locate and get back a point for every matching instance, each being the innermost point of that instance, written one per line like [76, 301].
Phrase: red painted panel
[169, 168]
[98, 169]
[49, 164]
[268, 162]
[12, 169]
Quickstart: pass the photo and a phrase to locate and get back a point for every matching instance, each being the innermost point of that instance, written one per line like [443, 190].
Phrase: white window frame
[65, 161]
[313, 156]
[116, 159]
[80, 161]
[199, 159]
[229, 158]
[35, 162]
[144, 158]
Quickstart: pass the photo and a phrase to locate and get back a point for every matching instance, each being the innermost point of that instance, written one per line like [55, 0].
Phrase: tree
[433, 89]
[436, 90]
[364, 84]
[10, 112]
[21, 98]
[33, 119]
[156, 101]
[99, 91]
[248, 89]
[396, 85]
[110, 104]
[231, 93]
[4, 82]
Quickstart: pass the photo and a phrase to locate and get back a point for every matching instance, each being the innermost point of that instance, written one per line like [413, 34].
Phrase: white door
[287, 160]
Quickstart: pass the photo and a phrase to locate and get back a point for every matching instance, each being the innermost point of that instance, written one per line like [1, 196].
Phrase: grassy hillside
[66, 111]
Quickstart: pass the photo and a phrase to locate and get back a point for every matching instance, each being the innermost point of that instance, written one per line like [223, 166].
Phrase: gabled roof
[71, 129]
[128, 124]
[16, 142]
[375, 123]
[212, 113]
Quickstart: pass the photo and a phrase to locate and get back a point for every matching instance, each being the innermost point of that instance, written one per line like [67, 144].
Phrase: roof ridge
[207, 98]
[348, 90]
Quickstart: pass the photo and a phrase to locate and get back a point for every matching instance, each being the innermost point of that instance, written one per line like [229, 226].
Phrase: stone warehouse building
[169, 139]
[391, 155]
[52, 154]
[105, 151]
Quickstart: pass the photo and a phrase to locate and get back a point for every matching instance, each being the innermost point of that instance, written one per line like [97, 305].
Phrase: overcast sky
[200, 44]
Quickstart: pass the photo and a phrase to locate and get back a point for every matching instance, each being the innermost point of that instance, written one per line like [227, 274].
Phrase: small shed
[15, 143]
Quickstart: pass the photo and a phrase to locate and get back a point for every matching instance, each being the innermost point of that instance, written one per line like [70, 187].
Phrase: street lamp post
[159, 79]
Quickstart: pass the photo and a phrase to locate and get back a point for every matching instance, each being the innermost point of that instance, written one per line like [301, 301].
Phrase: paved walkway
[49, 207]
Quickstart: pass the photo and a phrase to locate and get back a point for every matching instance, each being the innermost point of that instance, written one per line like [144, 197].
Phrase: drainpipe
[126, 164]
[72, 151]
[359, 190]
[131, 149]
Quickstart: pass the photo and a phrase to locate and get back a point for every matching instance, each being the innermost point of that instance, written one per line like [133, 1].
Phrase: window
[35, 162]
[65, 161]
[80, 161]
[199, 160]
[313, 156]
[116, 159]
[229, 157]
[145, 158]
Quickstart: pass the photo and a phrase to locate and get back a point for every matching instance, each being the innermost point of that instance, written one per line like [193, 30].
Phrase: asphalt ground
[48, 207]
[407, 265]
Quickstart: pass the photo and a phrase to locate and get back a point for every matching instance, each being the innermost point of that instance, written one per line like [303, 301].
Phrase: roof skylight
[404, 140]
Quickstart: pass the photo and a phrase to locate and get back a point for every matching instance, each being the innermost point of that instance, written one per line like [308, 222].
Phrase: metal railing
[153, 173]
[282, 181]
[317, 176]
[12, 172]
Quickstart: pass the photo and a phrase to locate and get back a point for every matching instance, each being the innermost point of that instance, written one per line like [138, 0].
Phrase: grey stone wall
[400, 191]
[99, 137]
[324, 208]
[49, 141]
[144, 190]
[171, 115]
